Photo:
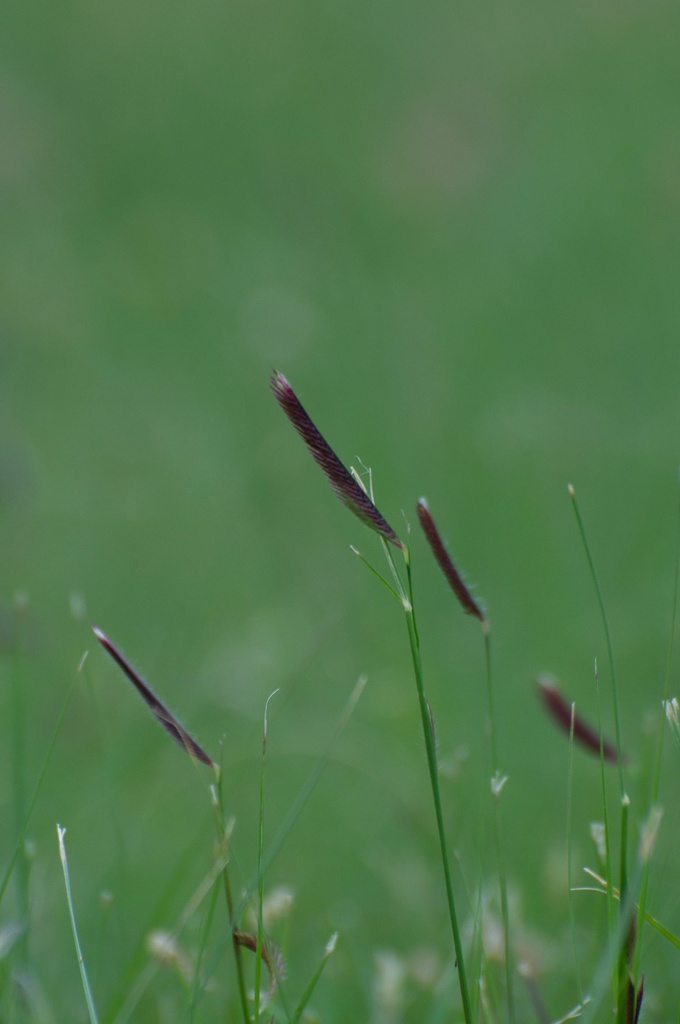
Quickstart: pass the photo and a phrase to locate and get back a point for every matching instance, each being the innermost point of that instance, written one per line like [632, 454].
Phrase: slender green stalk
[18, 762]
[572, 917]
[626, 951]
[622, 959]
[609, 871]
[644, 886]
[496, 786]
[222, 838]
[81, 961]
[309, 785]
[260, 870]
[607, 634]
[430, 750]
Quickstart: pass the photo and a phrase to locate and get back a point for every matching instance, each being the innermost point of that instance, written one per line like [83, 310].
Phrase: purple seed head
[341, 480]
[162, 714]
[445, 563]
[560, 710]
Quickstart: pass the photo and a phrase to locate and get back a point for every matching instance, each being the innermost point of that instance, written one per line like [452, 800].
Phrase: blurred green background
[456, 229]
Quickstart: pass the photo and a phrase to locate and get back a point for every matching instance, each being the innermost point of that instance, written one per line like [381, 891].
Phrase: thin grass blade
[260, 952]
[311, 985]
[309, 786]
[61, 832]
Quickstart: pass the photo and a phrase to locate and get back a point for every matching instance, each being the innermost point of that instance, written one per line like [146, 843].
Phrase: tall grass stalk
[607, 635]
[18, 774]
[626, 948]
[352, 493]
[433, 769]
[497, 783]
[61, 832]
[472, 607]
[609, 871]
[223, 839]
[307, 787]
[572, 917]
[656, 777]
[260, 869]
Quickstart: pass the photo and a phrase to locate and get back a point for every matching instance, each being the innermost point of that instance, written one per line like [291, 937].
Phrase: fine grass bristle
[560, 710]
[162, 714]
[339, 477]
[445, 563]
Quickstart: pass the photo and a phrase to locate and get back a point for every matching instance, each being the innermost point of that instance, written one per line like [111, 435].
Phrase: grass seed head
[162, 713]
[445, 563]
[339, 477]
[563, 712]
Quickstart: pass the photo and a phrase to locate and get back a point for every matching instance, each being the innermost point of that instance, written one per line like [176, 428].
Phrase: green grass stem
[223, 839]
[496, 787]
[81, 960]
[433, 769]
[609, 871]
[260, 868]
[622, 961]
[656, 777]
[18, 762]
[626, 952]
[308, 786]
[607, 634]
[572, 916]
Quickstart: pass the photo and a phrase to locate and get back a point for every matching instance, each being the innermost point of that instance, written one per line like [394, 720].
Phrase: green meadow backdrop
[456, 229]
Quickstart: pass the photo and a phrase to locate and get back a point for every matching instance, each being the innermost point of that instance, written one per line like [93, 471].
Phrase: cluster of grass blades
[611, 989]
